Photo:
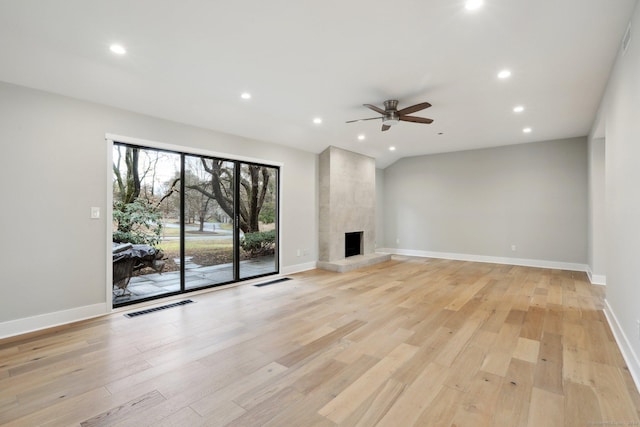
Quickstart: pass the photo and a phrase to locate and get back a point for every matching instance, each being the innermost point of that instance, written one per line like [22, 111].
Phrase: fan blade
[414, 108]
[385, 127]
[361, 120]
[374, 108]
[416, 119]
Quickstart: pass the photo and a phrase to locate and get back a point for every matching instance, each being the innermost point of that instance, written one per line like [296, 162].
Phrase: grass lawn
[204, 252]
[175, 231]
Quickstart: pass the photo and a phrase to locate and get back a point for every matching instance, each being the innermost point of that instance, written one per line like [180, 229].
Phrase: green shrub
[259, 244]
[267, 213]
[137, 222]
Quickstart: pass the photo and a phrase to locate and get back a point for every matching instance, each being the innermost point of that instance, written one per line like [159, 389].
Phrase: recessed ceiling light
[117, 49]
[392, 148]
[317, 120]
[526, 130]
[518, 109]
[504, 74]
[245, 95]
[361, 137]
[473, 4]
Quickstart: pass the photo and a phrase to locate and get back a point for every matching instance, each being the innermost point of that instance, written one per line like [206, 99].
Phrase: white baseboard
[630, 357]
[298, 268]
[596, 279]
[49, 320]
[26, 325]
[491, 259]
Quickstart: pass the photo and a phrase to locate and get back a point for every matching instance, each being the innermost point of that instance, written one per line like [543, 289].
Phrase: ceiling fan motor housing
[391, 108]
[391, 105]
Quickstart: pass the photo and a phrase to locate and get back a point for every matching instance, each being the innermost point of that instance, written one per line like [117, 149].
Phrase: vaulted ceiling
[190, 61]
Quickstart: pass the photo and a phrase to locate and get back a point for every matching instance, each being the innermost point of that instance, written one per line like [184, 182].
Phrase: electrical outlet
[298, 252]
[397, 241]
[513, 248]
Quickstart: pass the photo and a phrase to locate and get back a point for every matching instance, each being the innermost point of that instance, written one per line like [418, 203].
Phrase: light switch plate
[95, 212]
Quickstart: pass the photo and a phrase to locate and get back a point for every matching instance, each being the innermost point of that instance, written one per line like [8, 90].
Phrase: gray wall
[53, 168]
[380, 207]
[597, 227]
[481, 202]
[619, 114]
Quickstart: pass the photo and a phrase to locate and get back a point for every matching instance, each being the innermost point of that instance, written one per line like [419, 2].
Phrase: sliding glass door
[257, 216]
[183, 222]
[146, 223]
[208, 229]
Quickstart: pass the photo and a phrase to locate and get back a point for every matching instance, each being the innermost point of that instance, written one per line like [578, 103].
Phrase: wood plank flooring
[410, 342]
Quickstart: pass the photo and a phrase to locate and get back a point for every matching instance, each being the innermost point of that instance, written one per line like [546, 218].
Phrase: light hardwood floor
[410, 342]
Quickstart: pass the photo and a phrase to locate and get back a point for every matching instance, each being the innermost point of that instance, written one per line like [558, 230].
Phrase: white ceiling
[189, 60]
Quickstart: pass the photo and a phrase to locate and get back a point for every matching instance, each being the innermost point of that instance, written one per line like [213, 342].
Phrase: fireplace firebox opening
[352, 244]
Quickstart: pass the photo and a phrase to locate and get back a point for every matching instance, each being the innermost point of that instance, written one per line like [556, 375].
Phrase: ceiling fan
[391, 115]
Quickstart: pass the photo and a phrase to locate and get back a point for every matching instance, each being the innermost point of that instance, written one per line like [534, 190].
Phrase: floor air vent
[162, 307]
[284, 279]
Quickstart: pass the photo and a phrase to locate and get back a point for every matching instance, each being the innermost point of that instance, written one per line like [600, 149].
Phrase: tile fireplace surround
[347, 204]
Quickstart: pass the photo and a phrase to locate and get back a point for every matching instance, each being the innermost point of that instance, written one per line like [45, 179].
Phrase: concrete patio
[196, 276]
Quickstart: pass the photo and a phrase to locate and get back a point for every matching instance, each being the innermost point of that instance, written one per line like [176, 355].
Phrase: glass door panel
[146, 223]
[257, 220]
[208, 225]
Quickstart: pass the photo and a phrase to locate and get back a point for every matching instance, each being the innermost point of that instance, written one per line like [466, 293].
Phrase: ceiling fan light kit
[390, 119]
[391, 115]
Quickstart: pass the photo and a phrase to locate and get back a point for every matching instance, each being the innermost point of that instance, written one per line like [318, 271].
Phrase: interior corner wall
[481, 202]
[597, 203]
[54, 168]
[619, 110]
[380, 207]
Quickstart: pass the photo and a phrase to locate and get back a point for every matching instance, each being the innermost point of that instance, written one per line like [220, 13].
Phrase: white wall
[619, 114]
[481, 202]
[53, 168]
